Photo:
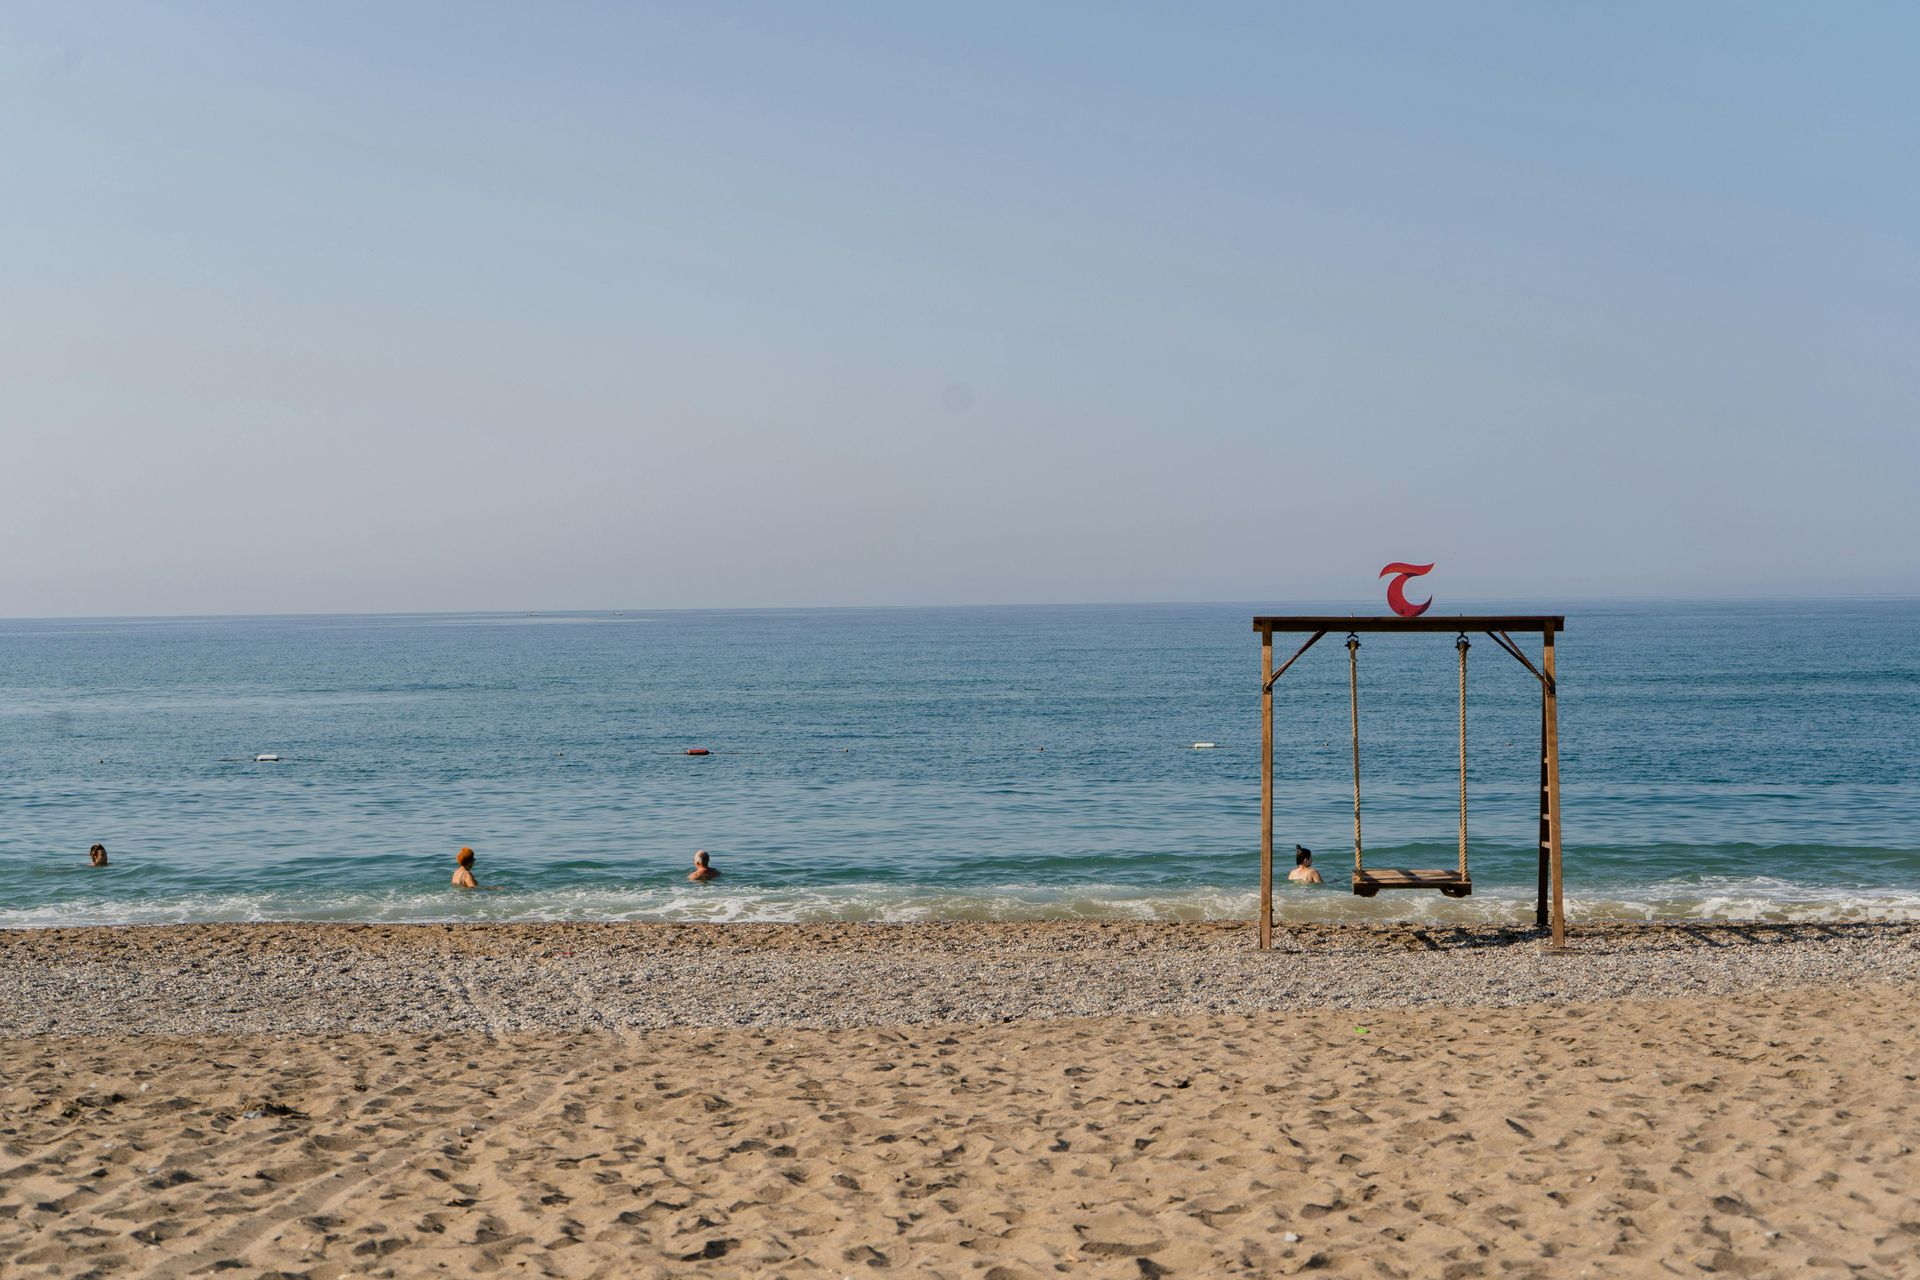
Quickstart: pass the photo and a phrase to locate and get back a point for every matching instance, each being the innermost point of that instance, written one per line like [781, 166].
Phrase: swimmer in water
[1303, 872]
[97, 855]
[701, 871]
[463, 871]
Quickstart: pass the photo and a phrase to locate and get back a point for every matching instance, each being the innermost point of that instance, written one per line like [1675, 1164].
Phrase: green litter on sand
[1365, 1031]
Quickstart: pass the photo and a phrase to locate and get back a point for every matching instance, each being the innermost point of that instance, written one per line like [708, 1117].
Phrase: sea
[1721, 761]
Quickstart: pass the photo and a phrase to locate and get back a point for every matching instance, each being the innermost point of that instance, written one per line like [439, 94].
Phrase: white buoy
[1205, 746]
[266, 757]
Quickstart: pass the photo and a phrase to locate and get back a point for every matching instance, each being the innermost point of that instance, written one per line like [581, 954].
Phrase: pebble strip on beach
[502, 979]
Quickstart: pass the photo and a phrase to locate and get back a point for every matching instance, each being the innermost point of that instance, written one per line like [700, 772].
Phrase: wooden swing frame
[1549, 910]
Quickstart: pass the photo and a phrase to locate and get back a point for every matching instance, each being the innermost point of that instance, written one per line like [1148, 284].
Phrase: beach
[975, 642]
[957, 1100]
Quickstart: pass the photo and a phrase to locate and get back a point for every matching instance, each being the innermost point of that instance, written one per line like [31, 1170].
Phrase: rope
[1353, 703]
[1463, 646]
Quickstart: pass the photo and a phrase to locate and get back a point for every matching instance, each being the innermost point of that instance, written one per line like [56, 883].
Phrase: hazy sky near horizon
[490, 306]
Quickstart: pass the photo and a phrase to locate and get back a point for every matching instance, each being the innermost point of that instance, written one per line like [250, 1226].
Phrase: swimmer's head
[1302, 855]
[97, 855]
[464, 857]
[699, 857]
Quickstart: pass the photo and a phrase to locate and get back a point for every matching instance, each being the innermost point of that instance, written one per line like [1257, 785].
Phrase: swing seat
[1371, 881]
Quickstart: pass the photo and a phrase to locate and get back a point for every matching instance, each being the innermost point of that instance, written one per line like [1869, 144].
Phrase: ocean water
[1720, 761]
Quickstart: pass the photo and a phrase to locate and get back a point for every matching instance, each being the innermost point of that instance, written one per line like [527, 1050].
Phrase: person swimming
[1303, 872]
[701, 869]
[463, 870]
[97, 855]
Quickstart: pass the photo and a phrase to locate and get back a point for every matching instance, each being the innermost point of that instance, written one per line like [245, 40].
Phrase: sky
[376, 307]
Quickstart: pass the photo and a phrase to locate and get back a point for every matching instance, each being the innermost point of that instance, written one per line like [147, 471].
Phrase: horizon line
[1293, 602]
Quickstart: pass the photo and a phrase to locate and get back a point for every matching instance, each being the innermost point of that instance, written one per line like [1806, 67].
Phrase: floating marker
[266, 757]
[1206, 746]
[698, 751]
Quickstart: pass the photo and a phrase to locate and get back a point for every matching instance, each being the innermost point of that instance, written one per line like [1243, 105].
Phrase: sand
[501, 979]
[1760, 1129]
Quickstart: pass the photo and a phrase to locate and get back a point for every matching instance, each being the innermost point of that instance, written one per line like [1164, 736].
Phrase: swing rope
[1353, 703]
[1463, 646]
[1353, 712]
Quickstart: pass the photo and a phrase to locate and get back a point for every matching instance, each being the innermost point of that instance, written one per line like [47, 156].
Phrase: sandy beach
[957, 1100]
[959, 641]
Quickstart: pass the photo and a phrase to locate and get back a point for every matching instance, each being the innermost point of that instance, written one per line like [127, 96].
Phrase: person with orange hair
[463, 870]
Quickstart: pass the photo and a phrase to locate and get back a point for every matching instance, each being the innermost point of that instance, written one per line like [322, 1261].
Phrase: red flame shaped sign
[1397, 589]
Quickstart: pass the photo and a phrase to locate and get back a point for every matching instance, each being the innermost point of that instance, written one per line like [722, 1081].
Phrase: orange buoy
[698, 751]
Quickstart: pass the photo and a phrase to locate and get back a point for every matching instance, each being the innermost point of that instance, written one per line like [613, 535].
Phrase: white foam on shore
[1726, 899]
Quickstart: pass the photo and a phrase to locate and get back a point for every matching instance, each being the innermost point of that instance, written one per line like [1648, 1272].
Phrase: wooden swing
[1454, 884]
[1549, 907]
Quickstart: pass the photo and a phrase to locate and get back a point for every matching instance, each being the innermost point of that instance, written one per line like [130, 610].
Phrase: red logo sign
[1397, 589]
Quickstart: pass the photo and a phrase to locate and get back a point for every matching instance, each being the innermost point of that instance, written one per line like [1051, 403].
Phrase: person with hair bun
[463, 870]
[1303, 871]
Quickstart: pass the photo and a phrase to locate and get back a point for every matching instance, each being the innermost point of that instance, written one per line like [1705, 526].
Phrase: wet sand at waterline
[519, 1115]
[497, 979]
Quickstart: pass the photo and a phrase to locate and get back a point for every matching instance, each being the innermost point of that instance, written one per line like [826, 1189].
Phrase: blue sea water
[1721, 761]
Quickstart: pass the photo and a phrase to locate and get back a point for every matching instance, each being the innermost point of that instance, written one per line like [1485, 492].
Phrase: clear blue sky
[395, 307]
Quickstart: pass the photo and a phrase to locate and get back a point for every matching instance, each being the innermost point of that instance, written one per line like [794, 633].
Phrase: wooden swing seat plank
[1373, 880]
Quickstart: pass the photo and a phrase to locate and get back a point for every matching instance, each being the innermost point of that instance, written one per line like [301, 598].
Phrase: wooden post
[1546, 837]
[1551, 708]
[1266, 790]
